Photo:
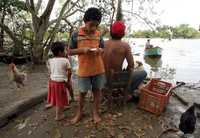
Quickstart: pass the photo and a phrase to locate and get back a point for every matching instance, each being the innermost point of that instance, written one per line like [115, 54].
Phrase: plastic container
[155, 96]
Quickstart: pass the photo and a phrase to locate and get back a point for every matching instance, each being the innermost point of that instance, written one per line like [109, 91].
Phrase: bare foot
[47, 106]
[76, 119]
[97, 119]
[60, 117]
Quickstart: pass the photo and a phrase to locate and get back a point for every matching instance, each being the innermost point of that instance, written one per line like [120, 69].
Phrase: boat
[153, 52]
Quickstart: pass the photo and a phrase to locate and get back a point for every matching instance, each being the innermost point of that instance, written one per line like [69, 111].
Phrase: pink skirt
[57, 94]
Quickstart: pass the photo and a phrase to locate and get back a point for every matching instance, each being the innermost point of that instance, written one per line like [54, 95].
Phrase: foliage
[13, 22]
[28, 22]
[185, 31]
[181, 31]
[12, 5]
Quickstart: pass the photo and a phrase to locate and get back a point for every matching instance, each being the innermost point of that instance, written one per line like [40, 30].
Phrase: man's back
[115, 52]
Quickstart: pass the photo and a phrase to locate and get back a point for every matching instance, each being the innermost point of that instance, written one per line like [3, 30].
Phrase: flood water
[180, 57]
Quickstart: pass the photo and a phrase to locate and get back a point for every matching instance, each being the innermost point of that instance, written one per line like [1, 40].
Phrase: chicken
[17, 76]
[188, 120]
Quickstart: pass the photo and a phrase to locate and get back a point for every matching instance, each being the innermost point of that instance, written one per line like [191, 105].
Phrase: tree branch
[31, 9]
[57, 22]
[67, 14]
[39, 3]
[113, 13]
[145, 20]
[71, 24]
[32, 5]
[73, 5]
[10, 33]
[70, 14]
[48, 10]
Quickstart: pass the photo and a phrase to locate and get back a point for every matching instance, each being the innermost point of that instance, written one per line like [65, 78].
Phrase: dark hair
[57, 47]
[115, 37]
[92, 14]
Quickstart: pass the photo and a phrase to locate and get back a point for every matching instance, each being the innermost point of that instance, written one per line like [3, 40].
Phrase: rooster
[188, 120]
[17, 76]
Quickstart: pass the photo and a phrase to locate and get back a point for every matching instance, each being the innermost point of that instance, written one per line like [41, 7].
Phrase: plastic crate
[155, 96]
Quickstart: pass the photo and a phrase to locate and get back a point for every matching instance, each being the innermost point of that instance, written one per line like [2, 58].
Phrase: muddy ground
[129, 122]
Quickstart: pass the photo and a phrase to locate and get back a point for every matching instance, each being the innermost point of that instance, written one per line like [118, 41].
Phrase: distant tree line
[181, 31]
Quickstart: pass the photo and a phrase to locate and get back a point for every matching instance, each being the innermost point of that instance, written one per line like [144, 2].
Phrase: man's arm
[129, 57]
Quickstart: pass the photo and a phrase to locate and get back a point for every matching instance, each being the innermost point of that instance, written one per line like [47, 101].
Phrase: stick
[182, 100]
[168, 130]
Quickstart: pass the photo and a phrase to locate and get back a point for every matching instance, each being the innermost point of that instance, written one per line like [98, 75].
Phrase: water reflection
[155, 62]
[157, 71]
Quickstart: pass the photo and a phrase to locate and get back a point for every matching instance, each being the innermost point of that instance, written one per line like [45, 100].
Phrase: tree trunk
[40, 26]
[119, 16]
[1, 39]
[2, 31]
[37, 54]
[37, 49]
[18, 49]
[113, 13]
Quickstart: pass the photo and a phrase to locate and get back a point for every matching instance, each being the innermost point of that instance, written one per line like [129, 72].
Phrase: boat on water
[153, 52]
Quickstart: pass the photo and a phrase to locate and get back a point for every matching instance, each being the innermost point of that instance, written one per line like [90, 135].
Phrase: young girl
[60, 74]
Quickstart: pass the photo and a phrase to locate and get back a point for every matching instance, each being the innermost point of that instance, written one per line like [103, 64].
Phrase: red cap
[118, 28]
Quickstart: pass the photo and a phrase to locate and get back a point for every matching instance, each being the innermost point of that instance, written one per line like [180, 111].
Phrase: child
[68, 85]
[87, 44]
[60, 75]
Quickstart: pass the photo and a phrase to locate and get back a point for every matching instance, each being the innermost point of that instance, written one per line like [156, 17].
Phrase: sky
[180, 12]
[175, 12]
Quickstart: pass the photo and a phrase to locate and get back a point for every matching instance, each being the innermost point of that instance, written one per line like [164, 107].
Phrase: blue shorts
[92, 83]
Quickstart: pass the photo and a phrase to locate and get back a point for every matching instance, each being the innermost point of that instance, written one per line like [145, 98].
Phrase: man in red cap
[116, 51]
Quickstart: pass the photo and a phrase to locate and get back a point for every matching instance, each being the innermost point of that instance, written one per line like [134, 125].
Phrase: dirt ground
[36, 80]
[128, 122]
[131, 123]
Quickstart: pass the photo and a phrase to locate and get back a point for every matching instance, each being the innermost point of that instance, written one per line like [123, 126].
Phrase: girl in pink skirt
[60, 74]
